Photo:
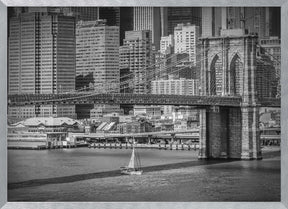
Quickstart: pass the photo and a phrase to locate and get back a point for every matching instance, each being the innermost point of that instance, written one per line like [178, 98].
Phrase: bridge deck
[133, 99]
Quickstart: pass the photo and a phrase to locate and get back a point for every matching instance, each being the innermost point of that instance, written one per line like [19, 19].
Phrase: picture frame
[87, 205]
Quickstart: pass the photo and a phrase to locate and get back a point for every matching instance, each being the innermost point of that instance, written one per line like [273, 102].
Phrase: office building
[118, 16]
[272, 48]
[167, 44]
[211, 21]
[97, 113]
[174, 86]
[136, 55]
[36, 64]
[172, 16]
[97, 56]
[186, 40]
[148, 18]
[266, 82]
[126, 21]
[253, 20]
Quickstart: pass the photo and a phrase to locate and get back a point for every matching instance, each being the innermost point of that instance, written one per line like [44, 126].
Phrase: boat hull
[131, 172]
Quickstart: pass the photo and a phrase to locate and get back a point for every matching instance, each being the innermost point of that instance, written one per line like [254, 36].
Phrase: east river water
[84, 174]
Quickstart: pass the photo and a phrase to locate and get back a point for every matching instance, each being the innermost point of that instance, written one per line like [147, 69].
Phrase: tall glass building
[97, 55]
[41, 60]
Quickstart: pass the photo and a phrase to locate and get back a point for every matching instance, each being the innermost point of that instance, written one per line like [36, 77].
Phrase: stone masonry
[229, 64]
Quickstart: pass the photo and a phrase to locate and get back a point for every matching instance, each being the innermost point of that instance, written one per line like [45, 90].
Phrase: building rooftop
[47, 121]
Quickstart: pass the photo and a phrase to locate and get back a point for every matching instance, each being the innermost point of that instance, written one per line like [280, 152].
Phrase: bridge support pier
[203, 151]
[213, 133]
[229, 133]
[250, 133]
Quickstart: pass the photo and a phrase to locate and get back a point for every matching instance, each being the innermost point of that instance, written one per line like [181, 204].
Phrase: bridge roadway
[144, 134]
[133, 99]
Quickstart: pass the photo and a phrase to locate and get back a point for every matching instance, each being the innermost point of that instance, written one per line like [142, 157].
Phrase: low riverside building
[48, 125]
[42, 132]
[149, 111]
[135, 127]
[99, 110]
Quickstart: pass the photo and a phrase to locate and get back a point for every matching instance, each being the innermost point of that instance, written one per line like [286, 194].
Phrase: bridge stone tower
[228, 68]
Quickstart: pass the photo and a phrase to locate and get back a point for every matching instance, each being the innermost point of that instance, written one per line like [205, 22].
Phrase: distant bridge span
[144, 134]
[133, 99]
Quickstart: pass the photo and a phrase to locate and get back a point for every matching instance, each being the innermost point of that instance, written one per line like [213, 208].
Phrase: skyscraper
[186, 38]
[181, 15]
[111, 15]
[97, 54]
[126, 21]
[36, 63]
[272, 48]
[118, 16]
[148, 18]
[136, 55]
[211, 21]
[167, 44]
[82, 13]
[251, 19]
[41, 48]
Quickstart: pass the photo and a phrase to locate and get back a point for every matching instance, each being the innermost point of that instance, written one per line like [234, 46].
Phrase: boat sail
[133, 167]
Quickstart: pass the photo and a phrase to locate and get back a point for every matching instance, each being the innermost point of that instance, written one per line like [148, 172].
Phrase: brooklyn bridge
[229, 100]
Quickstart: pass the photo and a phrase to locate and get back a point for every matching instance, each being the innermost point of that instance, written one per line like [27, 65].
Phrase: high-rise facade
[148, 18]
[82, 13]
[126, 21]
[136, 55]
[180, 15]
[272, 48]
[111, 15]
[172, 86]
[167, 44]
[186, 39]
[41, 48]
[211, 21]
[251, 19]
[264, 21]
[41, 54]
[266, 82]
[118, 16]
[97, 54]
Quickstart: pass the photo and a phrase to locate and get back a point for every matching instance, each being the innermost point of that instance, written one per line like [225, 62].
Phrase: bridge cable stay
[277, 73]
[93, 86]
[262, 63]
[82, 96]
[151, 78]
[180, 61]
[93, 94]
[149, 66]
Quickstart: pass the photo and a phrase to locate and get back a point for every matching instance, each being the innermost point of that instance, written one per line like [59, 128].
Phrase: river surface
[84, 174]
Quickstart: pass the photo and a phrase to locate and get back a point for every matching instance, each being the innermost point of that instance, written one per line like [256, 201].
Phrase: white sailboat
[134, 167]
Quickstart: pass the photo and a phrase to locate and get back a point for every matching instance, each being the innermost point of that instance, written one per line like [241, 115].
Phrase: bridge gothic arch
[236, 73]
[212, 75]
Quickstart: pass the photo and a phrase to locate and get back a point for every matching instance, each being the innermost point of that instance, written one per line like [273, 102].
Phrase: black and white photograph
[143, 104]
